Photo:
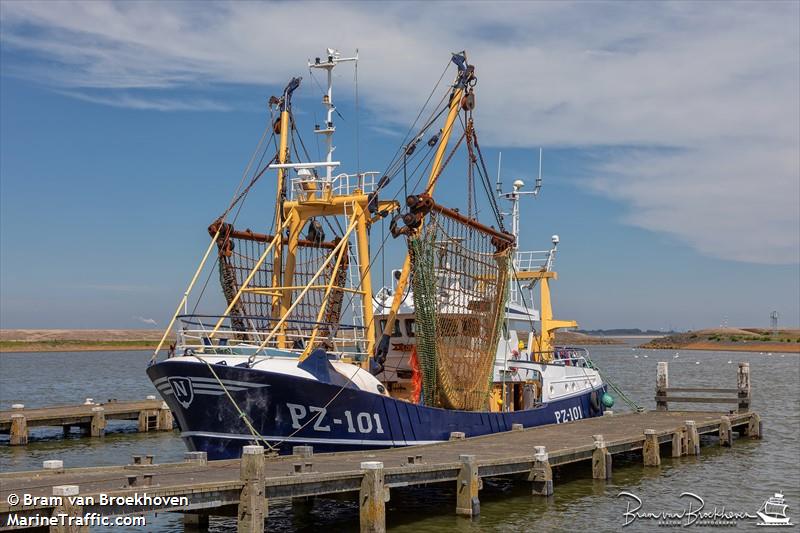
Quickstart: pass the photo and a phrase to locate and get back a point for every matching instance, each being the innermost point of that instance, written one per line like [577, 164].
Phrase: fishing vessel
[309, 352]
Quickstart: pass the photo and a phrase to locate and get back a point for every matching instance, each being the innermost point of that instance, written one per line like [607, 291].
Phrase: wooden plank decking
[218, 487]
[151, 414]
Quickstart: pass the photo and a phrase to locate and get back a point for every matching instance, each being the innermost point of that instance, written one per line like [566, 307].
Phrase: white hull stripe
[229, 383]
[207, 392]
[167, 386]
[352, 442]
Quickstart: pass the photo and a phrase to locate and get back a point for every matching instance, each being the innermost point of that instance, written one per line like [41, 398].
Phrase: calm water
[738, 479]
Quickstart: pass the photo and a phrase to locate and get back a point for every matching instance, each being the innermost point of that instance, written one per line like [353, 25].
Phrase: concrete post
[195, 457]
[541, 475]
[743, 384]
[303, 451]
[66, 510]
[651, 452]
[53, 465]
[692, 438]
[252, 503]
[467, 487]
[601, 459]
[662, 383]
[725, 432]
[19, 430]
[98, 426]
[372, 498]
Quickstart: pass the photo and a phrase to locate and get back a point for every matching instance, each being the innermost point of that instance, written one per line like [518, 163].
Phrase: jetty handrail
[741, 395]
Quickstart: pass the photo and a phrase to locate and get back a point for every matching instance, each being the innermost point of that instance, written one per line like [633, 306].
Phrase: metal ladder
[354, 279]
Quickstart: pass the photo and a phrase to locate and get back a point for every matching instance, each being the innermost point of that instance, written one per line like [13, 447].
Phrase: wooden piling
[662, 384]
[165, 421]
[19, 430]
[541, 474]
[692, 438]
[743, 386]
[651, 451]
[195, 522]
[372, 498]
[725, 432]
[755, 429]
[66, 510]
[252, 502]
[601, 459]
[144, 418]
[97, 428]
[678, 443]
[467, 487]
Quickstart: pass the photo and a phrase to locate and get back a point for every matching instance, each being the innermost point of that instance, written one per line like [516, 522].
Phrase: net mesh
[258, 307]
[460, 283]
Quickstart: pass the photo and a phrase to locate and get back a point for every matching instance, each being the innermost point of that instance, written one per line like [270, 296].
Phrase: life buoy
[594, 403]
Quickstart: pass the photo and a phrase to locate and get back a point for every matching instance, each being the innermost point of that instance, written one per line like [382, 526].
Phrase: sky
[670, 131]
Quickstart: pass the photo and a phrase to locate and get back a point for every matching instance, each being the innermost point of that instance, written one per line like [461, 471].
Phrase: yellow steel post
[296, 223]
[455, 105]
[549, 325]
[283, 155]
[366, 279]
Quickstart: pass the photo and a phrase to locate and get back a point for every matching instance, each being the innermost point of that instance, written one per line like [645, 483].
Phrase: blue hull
[290, 411]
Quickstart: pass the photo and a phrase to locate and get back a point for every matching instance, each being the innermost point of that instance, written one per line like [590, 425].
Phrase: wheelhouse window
[395, 330]
[411, 326]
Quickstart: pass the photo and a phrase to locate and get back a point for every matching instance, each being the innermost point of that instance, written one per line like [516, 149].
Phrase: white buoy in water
[729, 362]
[645, 357]
[770, 353]
[697, 362]
[636, 357]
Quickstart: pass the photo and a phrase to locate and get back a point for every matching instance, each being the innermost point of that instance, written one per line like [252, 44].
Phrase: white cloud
[700, 99]
[144, 320]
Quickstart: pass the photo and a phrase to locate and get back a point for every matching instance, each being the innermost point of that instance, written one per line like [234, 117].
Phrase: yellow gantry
[455, 106]
[546, 339]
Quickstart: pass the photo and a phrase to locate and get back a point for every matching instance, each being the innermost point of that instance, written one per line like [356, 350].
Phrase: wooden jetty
[151, 415]
[243, 488]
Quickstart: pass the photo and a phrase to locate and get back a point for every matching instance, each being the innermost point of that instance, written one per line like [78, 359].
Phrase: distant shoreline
[78, 340]
[730, 340]
[93, 340]
[55, 346]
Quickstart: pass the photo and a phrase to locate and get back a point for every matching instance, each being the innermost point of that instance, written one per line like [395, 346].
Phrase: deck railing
[194, 336]
[740, 395]
[308, 187]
